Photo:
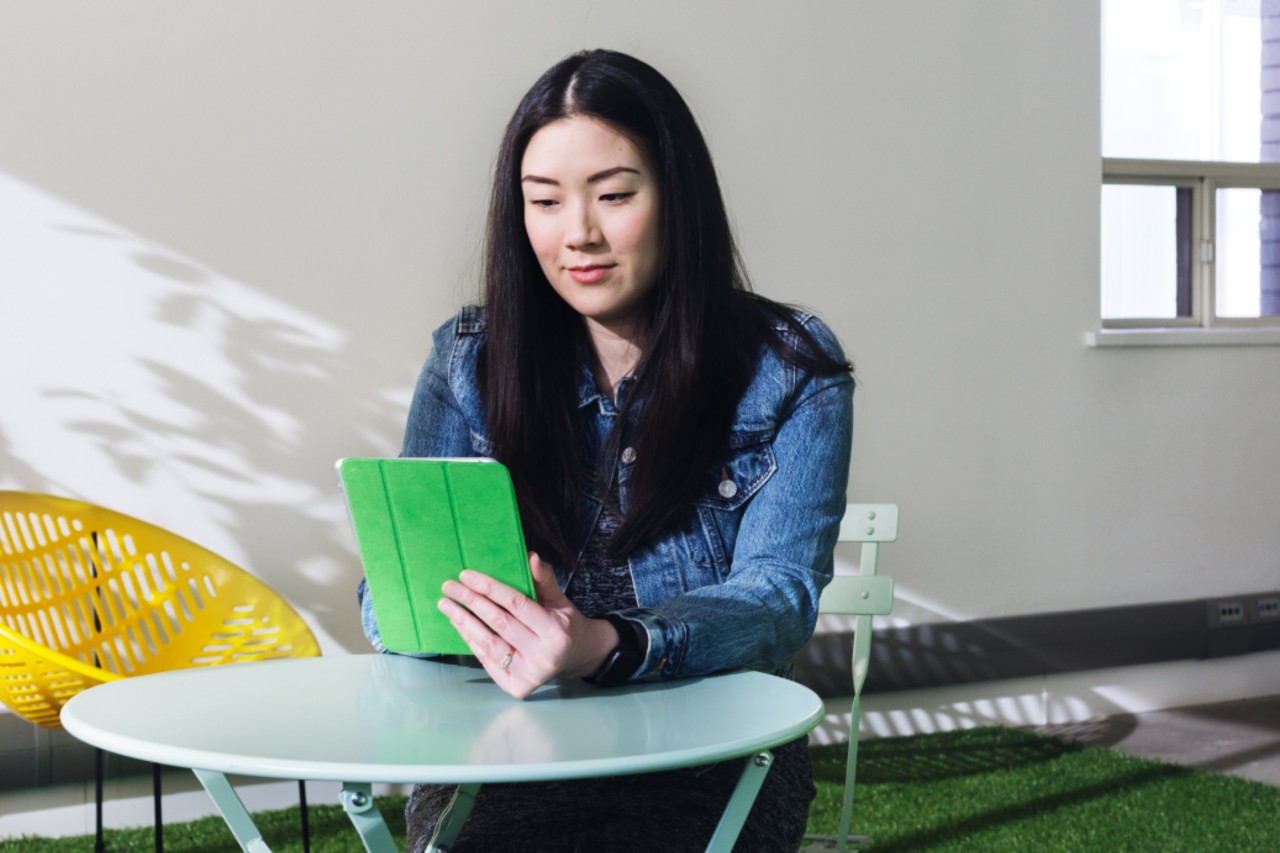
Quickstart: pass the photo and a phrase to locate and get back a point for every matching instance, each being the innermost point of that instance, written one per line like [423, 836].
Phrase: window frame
[1204, 178]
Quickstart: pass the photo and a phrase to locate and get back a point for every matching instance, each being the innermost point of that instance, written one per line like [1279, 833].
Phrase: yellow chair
[88, 595]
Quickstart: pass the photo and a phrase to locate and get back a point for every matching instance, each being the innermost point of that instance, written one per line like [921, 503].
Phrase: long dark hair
[704, 325]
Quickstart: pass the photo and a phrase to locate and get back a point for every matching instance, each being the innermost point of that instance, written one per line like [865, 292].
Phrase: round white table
[384, 718]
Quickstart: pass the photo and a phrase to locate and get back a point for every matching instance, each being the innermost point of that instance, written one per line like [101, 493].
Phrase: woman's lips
[589, 274]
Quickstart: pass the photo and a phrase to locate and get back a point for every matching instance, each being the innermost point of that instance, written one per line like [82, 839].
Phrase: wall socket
[1227, 612]
[1267, 608]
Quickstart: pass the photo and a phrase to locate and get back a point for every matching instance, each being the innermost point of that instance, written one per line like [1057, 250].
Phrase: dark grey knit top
[674, 811]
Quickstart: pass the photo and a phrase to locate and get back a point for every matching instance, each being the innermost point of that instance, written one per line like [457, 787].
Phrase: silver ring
[506, 662]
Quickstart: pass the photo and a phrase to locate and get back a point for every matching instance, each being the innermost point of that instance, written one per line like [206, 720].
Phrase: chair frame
[865, 596]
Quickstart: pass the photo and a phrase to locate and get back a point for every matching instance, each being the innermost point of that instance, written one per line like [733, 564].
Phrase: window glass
[1145, 252]
[1248, 249]
[1182, 79]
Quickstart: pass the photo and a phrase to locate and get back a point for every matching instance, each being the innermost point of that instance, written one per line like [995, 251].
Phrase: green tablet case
[420, 521]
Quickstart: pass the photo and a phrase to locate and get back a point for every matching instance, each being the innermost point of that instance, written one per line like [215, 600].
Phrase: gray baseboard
[940, 654]
[32, 755]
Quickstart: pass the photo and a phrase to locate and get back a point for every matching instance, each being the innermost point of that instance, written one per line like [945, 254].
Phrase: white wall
[227, 228]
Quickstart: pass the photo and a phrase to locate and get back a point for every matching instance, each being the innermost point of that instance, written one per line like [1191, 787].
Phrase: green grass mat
[984, 789]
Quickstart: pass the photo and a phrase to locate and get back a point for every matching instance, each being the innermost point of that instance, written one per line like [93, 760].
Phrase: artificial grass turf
[1005, 789]
[983, 789]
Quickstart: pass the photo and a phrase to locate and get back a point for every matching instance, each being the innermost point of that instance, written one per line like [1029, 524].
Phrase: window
[1191, 163]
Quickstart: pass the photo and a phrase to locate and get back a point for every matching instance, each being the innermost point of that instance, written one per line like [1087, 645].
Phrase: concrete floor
[1235, 738]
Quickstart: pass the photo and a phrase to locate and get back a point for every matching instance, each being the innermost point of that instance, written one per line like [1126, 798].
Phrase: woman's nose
[583, 229]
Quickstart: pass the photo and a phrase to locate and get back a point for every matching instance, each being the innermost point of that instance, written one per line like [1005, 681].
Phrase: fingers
[500, 609]
[521, 642]
[545, 584]
[483, 641]
[502, 625]
[500, 658]
[503, 607]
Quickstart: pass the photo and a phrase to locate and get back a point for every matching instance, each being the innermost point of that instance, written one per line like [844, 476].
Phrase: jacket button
[728, 489]
[629, 455]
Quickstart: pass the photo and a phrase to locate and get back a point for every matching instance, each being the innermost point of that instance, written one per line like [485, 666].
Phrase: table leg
[233, 811]
[357, 799]
[740, 802]
[452, 818]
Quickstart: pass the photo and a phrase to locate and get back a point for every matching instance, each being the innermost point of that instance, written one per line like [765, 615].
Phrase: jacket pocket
[730, 483]
[739, 474]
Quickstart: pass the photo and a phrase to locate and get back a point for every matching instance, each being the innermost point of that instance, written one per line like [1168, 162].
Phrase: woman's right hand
[521, 642]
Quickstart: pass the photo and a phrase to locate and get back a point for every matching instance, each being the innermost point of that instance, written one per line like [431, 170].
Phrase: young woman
[679, 448]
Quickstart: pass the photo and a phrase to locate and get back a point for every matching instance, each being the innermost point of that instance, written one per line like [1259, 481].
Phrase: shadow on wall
[1084, 674]
[141, 381]
[14, 470]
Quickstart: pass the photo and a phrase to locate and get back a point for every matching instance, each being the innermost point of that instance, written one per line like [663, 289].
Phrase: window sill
[1194, 337]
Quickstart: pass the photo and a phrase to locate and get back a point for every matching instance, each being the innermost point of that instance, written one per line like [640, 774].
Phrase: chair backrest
[90, 595]
[864, 594]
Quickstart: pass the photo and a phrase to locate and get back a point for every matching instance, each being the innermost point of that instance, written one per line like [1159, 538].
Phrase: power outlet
[1227, 612]
[1267, 608]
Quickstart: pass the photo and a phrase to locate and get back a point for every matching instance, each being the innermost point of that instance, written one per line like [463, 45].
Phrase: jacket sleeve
[767, 606]
[437, 425]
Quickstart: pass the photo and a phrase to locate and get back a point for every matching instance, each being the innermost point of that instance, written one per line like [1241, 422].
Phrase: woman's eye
[543, 202]
[615, 197]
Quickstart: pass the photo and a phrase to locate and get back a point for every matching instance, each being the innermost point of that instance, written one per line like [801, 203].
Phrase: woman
[679, 449]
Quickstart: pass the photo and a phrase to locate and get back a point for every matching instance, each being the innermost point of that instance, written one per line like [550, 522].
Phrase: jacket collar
[589, 392]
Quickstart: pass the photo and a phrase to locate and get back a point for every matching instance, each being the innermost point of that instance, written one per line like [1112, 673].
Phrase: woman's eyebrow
[591, 179]
[609, 173]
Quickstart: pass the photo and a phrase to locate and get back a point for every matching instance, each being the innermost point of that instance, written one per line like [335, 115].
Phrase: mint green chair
[865, 595]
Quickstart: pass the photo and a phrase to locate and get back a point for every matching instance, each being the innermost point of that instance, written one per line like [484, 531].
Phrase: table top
[387, 718]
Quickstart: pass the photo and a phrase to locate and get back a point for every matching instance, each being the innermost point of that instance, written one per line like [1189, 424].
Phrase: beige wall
[227, 228]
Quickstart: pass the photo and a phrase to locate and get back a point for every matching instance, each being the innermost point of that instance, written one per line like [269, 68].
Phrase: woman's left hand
[521, 642]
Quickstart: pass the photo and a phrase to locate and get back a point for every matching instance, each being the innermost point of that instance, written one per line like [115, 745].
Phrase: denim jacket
[736, 582]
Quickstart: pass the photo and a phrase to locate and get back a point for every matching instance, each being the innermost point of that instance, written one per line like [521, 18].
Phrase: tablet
[418, 522]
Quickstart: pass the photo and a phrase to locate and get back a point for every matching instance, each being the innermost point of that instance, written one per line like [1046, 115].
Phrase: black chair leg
[306, 824]
[155, 789]
[99, 770]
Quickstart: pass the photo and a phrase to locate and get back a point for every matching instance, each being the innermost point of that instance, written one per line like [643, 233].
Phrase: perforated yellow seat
[88, 595]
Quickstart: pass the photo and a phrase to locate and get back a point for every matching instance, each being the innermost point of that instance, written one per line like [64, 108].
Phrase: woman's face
[591, 213]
